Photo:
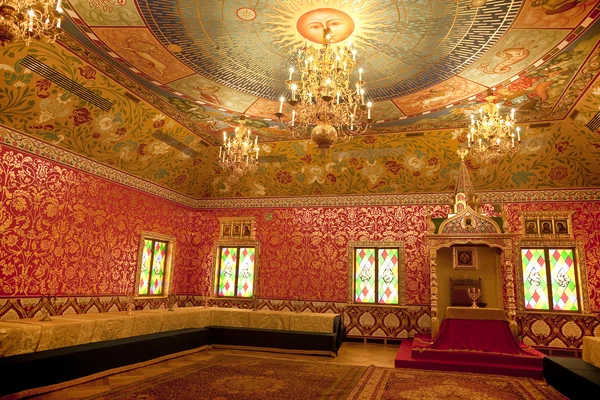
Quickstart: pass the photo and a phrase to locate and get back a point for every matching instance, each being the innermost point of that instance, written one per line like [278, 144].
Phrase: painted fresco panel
[518, 49]
[140, 48]
[553, 14]
[536, 94]
[204, 89]
[454, 89]
[108, 13]
[121, 137]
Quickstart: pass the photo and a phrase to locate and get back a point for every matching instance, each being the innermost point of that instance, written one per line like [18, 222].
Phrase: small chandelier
[239, 153]
[324, 101]
[29, 19]
[493, 136]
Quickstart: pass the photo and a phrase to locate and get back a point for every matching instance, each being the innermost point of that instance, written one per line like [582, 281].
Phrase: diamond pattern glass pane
[246, 272]
[158, 268]
[564, 287]
[535, 280]
[388, 276]
[145, 269]
[228, 270]
[364, 279]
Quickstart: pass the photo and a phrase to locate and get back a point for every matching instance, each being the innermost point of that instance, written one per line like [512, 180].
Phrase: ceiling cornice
[21, 142]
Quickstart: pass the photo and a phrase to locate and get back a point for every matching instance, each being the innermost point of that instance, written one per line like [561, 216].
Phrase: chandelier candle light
[239, 153]
[493, 136]
[324, 100]
[30, 19]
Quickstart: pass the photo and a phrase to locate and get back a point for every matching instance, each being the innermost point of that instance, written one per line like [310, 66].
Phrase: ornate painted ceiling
[179, 73]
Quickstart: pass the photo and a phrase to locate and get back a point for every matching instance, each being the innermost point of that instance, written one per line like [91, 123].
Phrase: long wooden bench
[93, 345]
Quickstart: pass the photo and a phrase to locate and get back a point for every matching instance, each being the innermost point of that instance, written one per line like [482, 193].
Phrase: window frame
[217, 268]
[352, 247]
[549, 288]
[170, 242]
[583, 300]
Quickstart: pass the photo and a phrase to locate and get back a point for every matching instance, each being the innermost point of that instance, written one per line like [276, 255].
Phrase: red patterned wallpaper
[303, 252]
[586, 227]
[69, 233]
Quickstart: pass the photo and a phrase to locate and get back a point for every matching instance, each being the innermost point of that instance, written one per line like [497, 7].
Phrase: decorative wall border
[35, 147]
[38, 148]
[545, 331]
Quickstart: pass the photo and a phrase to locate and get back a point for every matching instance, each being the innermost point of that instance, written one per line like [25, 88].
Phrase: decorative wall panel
[67, 233]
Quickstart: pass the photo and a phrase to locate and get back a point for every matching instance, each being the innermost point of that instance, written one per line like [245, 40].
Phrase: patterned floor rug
[230, 377]
[411, 384]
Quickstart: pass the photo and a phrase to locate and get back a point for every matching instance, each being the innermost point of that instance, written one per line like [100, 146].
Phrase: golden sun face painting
[293, 22]
[312, 24]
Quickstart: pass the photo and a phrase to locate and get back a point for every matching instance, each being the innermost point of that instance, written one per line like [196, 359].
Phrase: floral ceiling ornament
[24, 20]
[325, 101]
[239, 153]
[492, 136]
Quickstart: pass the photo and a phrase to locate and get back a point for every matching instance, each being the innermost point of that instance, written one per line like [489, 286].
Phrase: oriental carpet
[234, 377]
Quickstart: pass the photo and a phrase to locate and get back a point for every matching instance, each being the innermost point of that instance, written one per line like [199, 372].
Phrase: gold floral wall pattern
[556, 157]
[66, 232]
[123, 137]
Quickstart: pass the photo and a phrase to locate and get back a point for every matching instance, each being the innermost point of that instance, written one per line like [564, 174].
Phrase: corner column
[435, 323]
[510, 289]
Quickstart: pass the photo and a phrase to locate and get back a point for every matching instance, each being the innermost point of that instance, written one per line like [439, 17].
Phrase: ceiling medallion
[324, 101]
[24, 20]
[239, 153]
[492, 136]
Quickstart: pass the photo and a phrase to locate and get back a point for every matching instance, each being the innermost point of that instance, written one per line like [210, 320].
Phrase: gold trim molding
[37, 148]
[547, 224]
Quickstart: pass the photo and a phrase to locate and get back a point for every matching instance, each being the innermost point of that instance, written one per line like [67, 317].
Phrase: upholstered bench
[34, 354]
[572, 376]
[49, 367]
[284, 340]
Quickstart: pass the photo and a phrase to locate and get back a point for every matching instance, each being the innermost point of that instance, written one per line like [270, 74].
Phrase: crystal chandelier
[325, 101]
[492, 136]
[239, 153]
[29, 19]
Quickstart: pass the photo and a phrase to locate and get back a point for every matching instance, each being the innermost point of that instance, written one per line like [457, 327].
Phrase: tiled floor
[350, 353]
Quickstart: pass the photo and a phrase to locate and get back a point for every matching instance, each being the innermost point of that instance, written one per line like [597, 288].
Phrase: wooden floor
[350, 353]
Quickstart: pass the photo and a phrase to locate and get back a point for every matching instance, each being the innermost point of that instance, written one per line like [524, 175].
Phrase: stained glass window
[376, 275]
[236, 271]
[153, 267]
[564, 287]
[549, 279]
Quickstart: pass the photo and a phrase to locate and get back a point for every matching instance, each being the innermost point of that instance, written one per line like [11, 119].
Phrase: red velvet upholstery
[477, 335]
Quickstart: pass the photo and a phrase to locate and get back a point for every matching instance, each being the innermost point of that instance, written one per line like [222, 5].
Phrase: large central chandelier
[329, 99]
[493, 136]
[239, 153]
[25, 20]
